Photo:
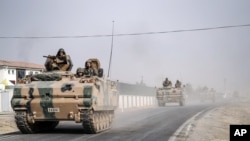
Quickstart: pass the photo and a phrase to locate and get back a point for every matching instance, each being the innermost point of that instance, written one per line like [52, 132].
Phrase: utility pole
[112, 39]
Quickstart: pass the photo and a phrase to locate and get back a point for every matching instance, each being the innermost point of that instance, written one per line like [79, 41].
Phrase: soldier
[89, 70]
[79, 72]
[167, 83]
[178, 84]
[61, 61]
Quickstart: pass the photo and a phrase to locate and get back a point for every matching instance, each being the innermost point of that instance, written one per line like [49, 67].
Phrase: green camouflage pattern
[67, 98]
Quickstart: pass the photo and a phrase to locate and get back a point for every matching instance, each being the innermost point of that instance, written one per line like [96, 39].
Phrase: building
[12, 71]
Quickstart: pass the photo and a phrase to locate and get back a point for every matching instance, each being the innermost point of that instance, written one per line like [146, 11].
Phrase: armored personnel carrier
[170, 95]
[55, 96]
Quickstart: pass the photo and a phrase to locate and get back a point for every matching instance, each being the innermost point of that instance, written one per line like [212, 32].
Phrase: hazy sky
[211, 57]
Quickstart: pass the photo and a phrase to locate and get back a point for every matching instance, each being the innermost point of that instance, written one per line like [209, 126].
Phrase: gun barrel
[50, 57]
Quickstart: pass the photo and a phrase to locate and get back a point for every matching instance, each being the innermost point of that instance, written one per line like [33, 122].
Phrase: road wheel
[26, 127]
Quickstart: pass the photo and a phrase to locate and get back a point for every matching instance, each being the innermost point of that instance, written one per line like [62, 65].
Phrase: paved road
[157, 123]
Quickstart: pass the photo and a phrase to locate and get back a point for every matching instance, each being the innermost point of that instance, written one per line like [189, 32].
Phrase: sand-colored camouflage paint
[170, 95]
[61, 100]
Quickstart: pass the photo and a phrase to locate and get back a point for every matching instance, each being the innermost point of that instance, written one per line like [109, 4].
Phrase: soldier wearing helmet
[167, 83]
[61, 61]
[79, 72]
[60, 52]
[178, 84]
[89, 70]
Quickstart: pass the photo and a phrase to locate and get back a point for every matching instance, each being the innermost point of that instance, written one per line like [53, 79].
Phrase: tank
[54, 96]
[170, 95]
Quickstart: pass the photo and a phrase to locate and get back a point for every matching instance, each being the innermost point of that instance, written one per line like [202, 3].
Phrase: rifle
[51, 57]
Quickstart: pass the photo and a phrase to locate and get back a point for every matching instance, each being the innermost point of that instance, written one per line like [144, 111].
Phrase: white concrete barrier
[5, 97]
[129, 102]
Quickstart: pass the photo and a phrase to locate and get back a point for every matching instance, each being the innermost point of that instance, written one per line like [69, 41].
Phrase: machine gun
[51, 57]
[59, 59]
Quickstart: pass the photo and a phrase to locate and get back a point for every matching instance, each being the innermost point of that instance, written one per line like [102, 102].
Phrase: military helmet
[88, 61]
[60, 50]
[79, 70]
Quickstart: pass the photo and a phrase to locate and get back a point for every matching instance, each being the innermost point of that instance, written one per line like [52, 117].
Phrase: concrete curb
[182, 133]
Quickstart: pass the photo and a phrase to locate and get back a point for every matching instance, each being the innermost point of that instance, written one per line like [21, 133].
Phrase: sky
[214, 58]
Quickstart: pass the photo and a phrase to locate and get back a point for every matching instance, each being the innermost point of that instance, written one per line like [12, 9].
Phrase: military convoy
[170, 95]
[56, 95]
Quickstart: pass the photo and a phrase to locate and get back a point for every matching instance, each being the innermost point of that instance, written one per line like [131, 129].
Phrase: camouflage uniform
[59, 62]
[79, 72]
[177, 84]
[63, 61]
[88, 70]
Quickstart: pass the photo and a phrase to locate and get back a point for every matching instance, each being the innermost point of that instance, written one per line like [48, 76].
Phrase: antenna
[110, 58]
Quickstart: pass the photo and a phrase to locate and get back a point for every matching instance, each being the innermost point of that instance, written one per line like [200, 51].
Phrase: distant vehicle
[170, 95]
[208, 95]
[54, 96]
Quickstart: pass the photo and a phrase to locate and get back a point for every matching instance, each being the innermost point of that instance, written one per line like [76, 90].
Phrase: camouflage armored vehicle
[170, 95]
[56, 96]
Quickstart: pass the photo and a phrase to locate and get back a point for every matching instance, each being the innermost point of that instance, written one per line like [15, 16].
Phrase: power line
[130, 34]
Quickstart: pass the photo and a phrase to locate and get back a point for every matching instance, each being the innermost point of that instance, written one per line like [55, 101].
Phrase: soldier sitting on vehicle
[167, 83]
[79, 72]
[178, 84]
[61, 61]
[89, 70]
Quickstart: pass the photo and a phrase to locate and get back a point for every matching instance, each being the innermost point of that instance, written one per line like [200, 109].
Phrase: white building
[12, 71]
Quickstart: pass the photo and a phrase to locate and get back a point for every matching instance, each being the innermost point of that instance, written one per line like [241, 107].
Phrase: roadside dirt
[214, 125]
[7, 123]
